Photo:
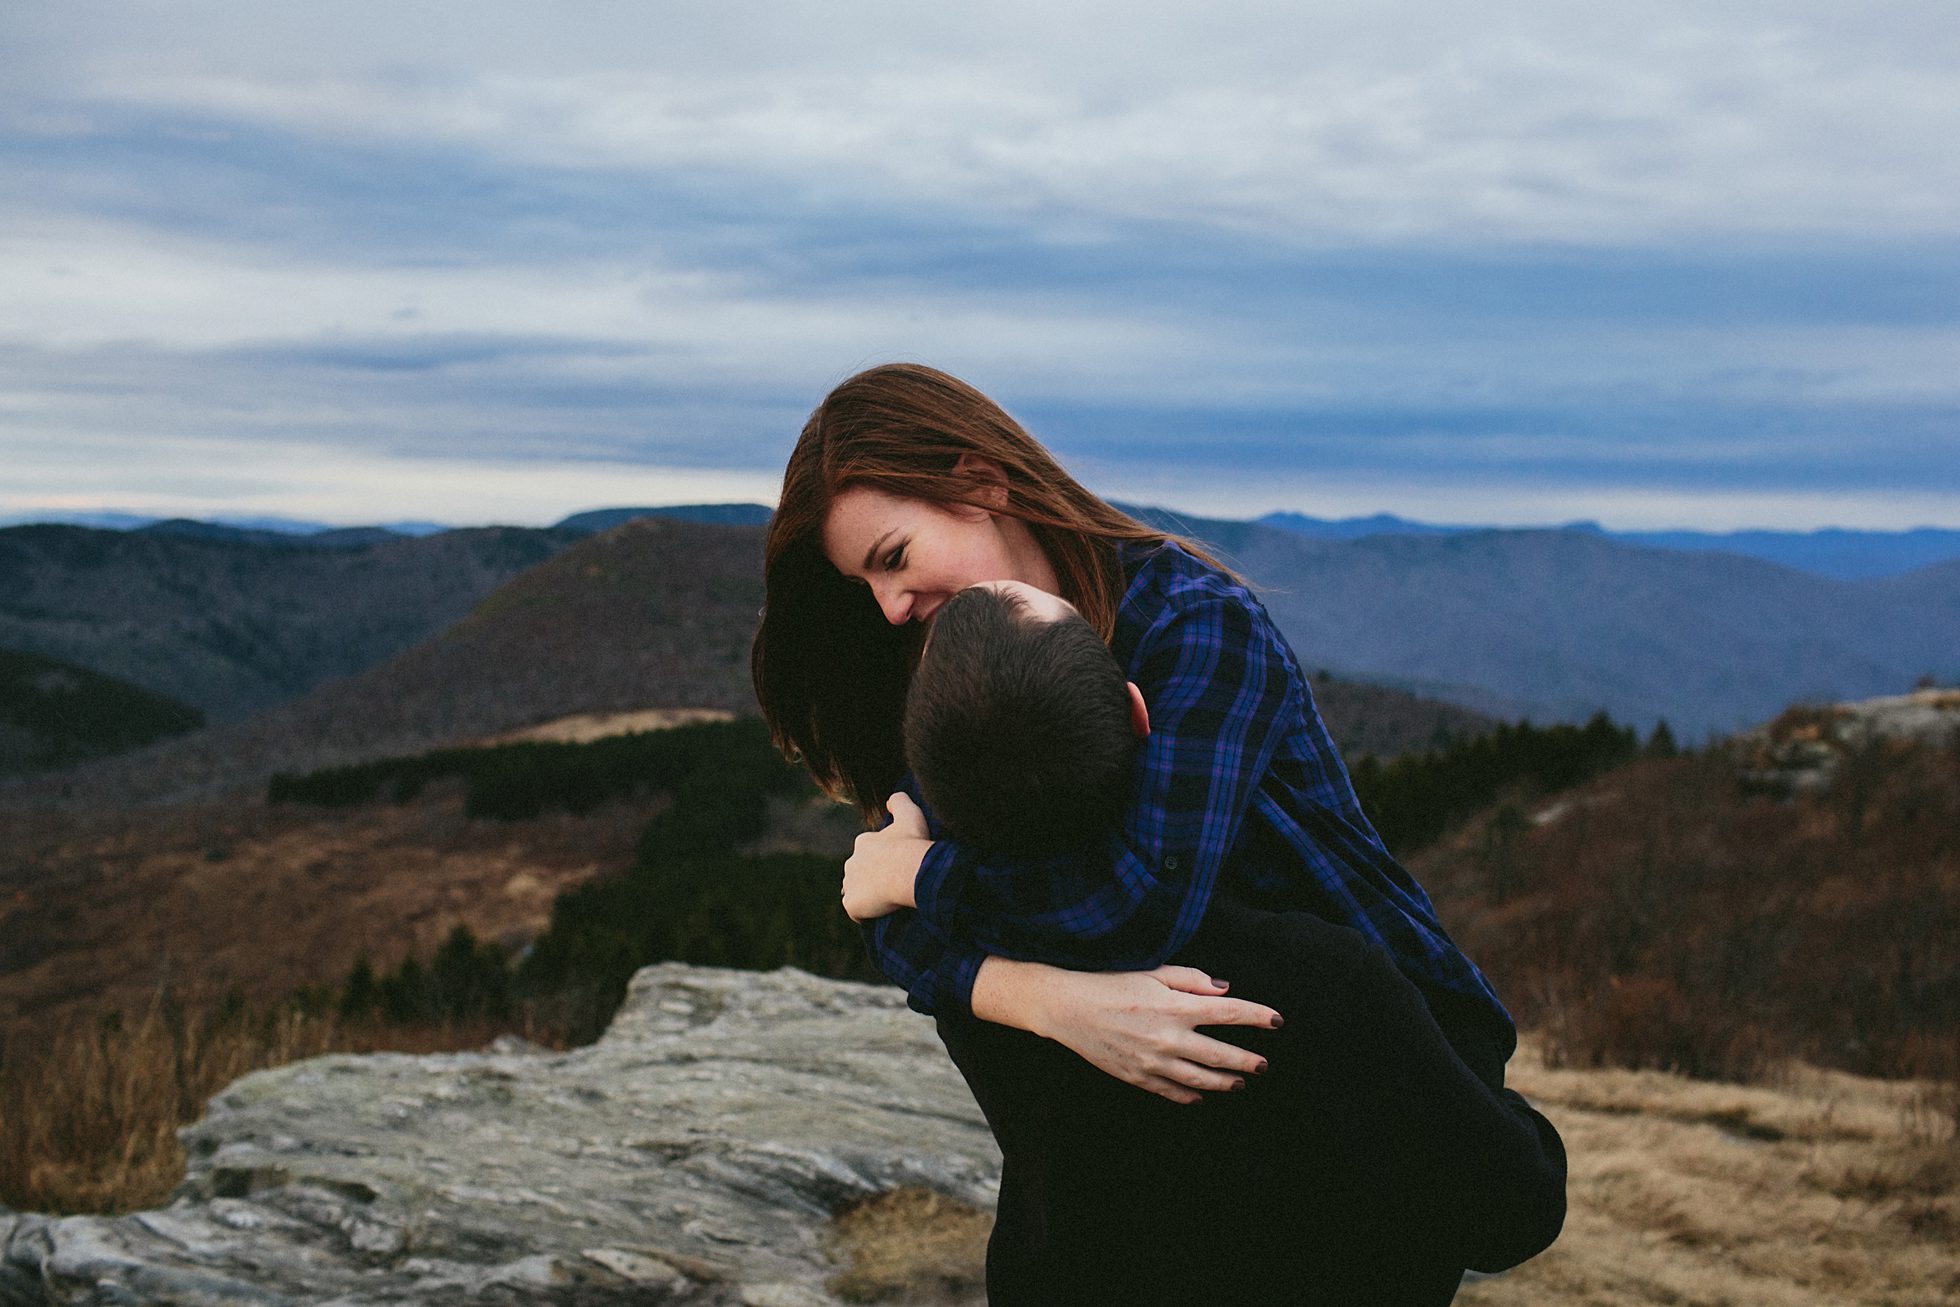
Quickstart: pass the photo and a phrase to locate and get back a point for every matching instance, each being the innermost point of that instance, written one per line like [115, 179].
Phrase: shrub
[465, 981]
[1646, 1021]
[1665, 919]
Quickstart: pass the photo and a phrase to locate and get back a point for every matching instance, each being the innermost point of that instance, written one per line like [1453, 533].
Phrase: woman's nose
[895, 602]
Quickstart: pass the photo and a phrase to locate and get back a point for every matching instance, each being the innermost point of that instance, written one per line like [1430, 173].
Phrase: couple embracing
[1228, 1052]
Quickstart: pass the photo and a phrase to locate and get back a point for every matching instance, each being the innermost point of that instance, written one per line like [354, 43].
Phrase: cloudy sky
[1678, 264]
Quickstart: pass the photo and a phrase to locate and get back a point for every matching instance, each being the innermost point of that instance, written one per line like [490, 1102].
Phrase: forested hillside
[54, 714]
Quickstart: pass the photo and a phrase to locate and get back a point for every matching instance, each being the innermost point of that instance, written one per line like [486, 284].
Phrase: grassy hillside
[1700, 901]
[1671, 914]
[384, 860]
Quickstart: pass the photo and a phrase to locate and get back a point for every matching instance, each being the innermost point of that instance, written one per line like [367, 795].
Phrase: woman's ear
[1139, 711]
[987, 475]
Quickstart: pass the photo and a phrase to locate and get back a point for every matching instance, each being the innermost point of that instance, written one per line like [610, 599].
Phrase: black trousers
[1370, 1164]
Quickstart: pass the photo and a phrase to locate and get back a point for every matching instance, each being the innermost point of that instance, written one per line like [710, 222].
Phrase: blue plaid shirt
[1238, 789]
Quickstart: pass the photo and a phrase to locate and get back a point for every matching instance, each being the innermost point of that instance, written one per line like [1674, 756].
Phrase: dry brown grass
[88, 1121]
[910, 1245]
[97, 913]
[1822, 1190]
[583, 728]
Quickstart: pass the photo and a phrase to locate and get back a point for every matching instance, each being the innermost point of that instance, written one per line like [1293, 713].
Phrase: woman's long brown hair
[830, 672]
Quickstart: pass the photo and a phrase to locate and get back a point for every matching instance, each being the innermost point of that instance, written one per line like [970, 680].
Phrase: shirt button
[1173, 862]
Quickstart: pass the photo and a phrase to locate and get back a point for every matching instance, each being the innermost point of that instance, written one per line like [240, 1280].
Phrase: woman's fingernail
[1221, 984]
[1237, 1085]
[1260, 1069]
[1278, 1021]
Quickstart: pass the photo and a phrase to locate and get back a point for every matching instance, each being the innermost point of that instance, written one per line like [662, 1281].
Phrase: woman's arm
[1139, 1026]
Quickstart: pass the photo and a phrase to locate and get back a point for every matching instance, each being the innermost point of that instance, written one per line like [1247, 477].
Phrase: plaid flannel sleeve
[935, 972]
[1221, 690]
[937, 975]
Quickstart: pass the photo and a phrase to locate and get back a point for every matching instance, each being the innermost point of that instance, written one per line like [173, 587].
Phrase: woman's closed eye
[895, 559]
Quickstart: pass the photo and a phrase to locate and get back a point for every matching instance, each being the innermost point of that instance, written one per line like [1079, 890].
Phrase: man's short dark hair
[1018, 730]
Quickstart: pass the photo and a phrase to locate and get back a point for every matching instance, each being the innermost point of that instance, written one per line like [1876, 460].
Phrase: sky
[1671, 265]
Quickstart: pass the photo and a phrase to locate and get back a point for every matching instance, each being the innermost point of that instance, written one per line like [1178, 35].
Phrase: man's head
[1019, 725]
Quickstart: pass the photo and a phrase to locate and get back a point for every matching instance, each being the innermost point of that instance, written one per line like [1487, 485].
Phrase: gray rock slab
[693, 1155]
[1811, 761]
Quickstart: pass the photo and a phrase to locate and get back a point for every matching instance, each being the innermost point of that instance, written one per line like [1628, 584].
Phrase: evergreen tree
[361, 993]
[405, 994]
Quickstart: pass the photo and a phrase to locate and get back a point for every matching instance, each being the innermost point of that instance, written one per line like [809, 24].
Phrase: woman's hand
[1139, 1026]
[884, 864]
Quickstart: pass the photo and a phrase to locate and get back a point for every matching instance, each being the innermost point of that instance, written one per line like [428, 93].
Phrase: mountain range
[304, 655]
[231, 621]
[655, 613]
[1830, 551]
[1555, 624]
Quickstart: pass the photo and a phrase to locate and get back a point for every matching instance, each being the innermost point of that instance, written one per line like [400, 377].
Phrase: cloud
[1330, 122]
[332, 483]
[1702, 249]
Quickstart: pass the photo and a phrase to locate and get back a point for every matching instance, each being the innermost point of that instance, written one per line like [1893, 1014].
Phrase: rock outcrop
[1803, 750]
[694, 1155]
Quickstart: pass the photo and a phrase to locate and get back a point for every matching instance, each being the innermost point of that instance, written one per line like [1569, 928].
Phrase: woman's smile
[915, 555]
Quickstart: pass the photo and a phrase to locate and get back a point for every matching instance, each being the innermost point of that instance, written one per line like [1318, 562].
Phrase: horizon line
[300, 526]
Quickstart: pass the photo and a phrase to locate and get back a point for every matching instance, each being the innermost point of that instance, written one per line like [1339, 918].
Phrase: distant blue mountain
[284, 529]
[1846, 555]
[1558, 623]
[294, 526]
[1555, 624]
[287, 526]
[187, 528]
[1356, 528]
[103, 520]
[605, 519]
[1832, 551]
[326, 537]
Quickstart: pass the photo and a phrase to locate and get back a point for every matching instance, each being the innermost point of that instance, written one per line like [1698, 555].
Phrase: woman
[1244, 844]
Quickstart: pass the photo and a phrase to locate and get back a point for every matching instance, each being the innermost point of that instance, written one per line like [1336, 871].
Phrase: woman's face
[916, 555]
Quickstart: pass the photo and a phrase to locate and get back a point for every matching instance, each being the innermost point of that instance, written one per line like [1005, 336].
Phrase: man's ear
[988, 477]
[1139, 714]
